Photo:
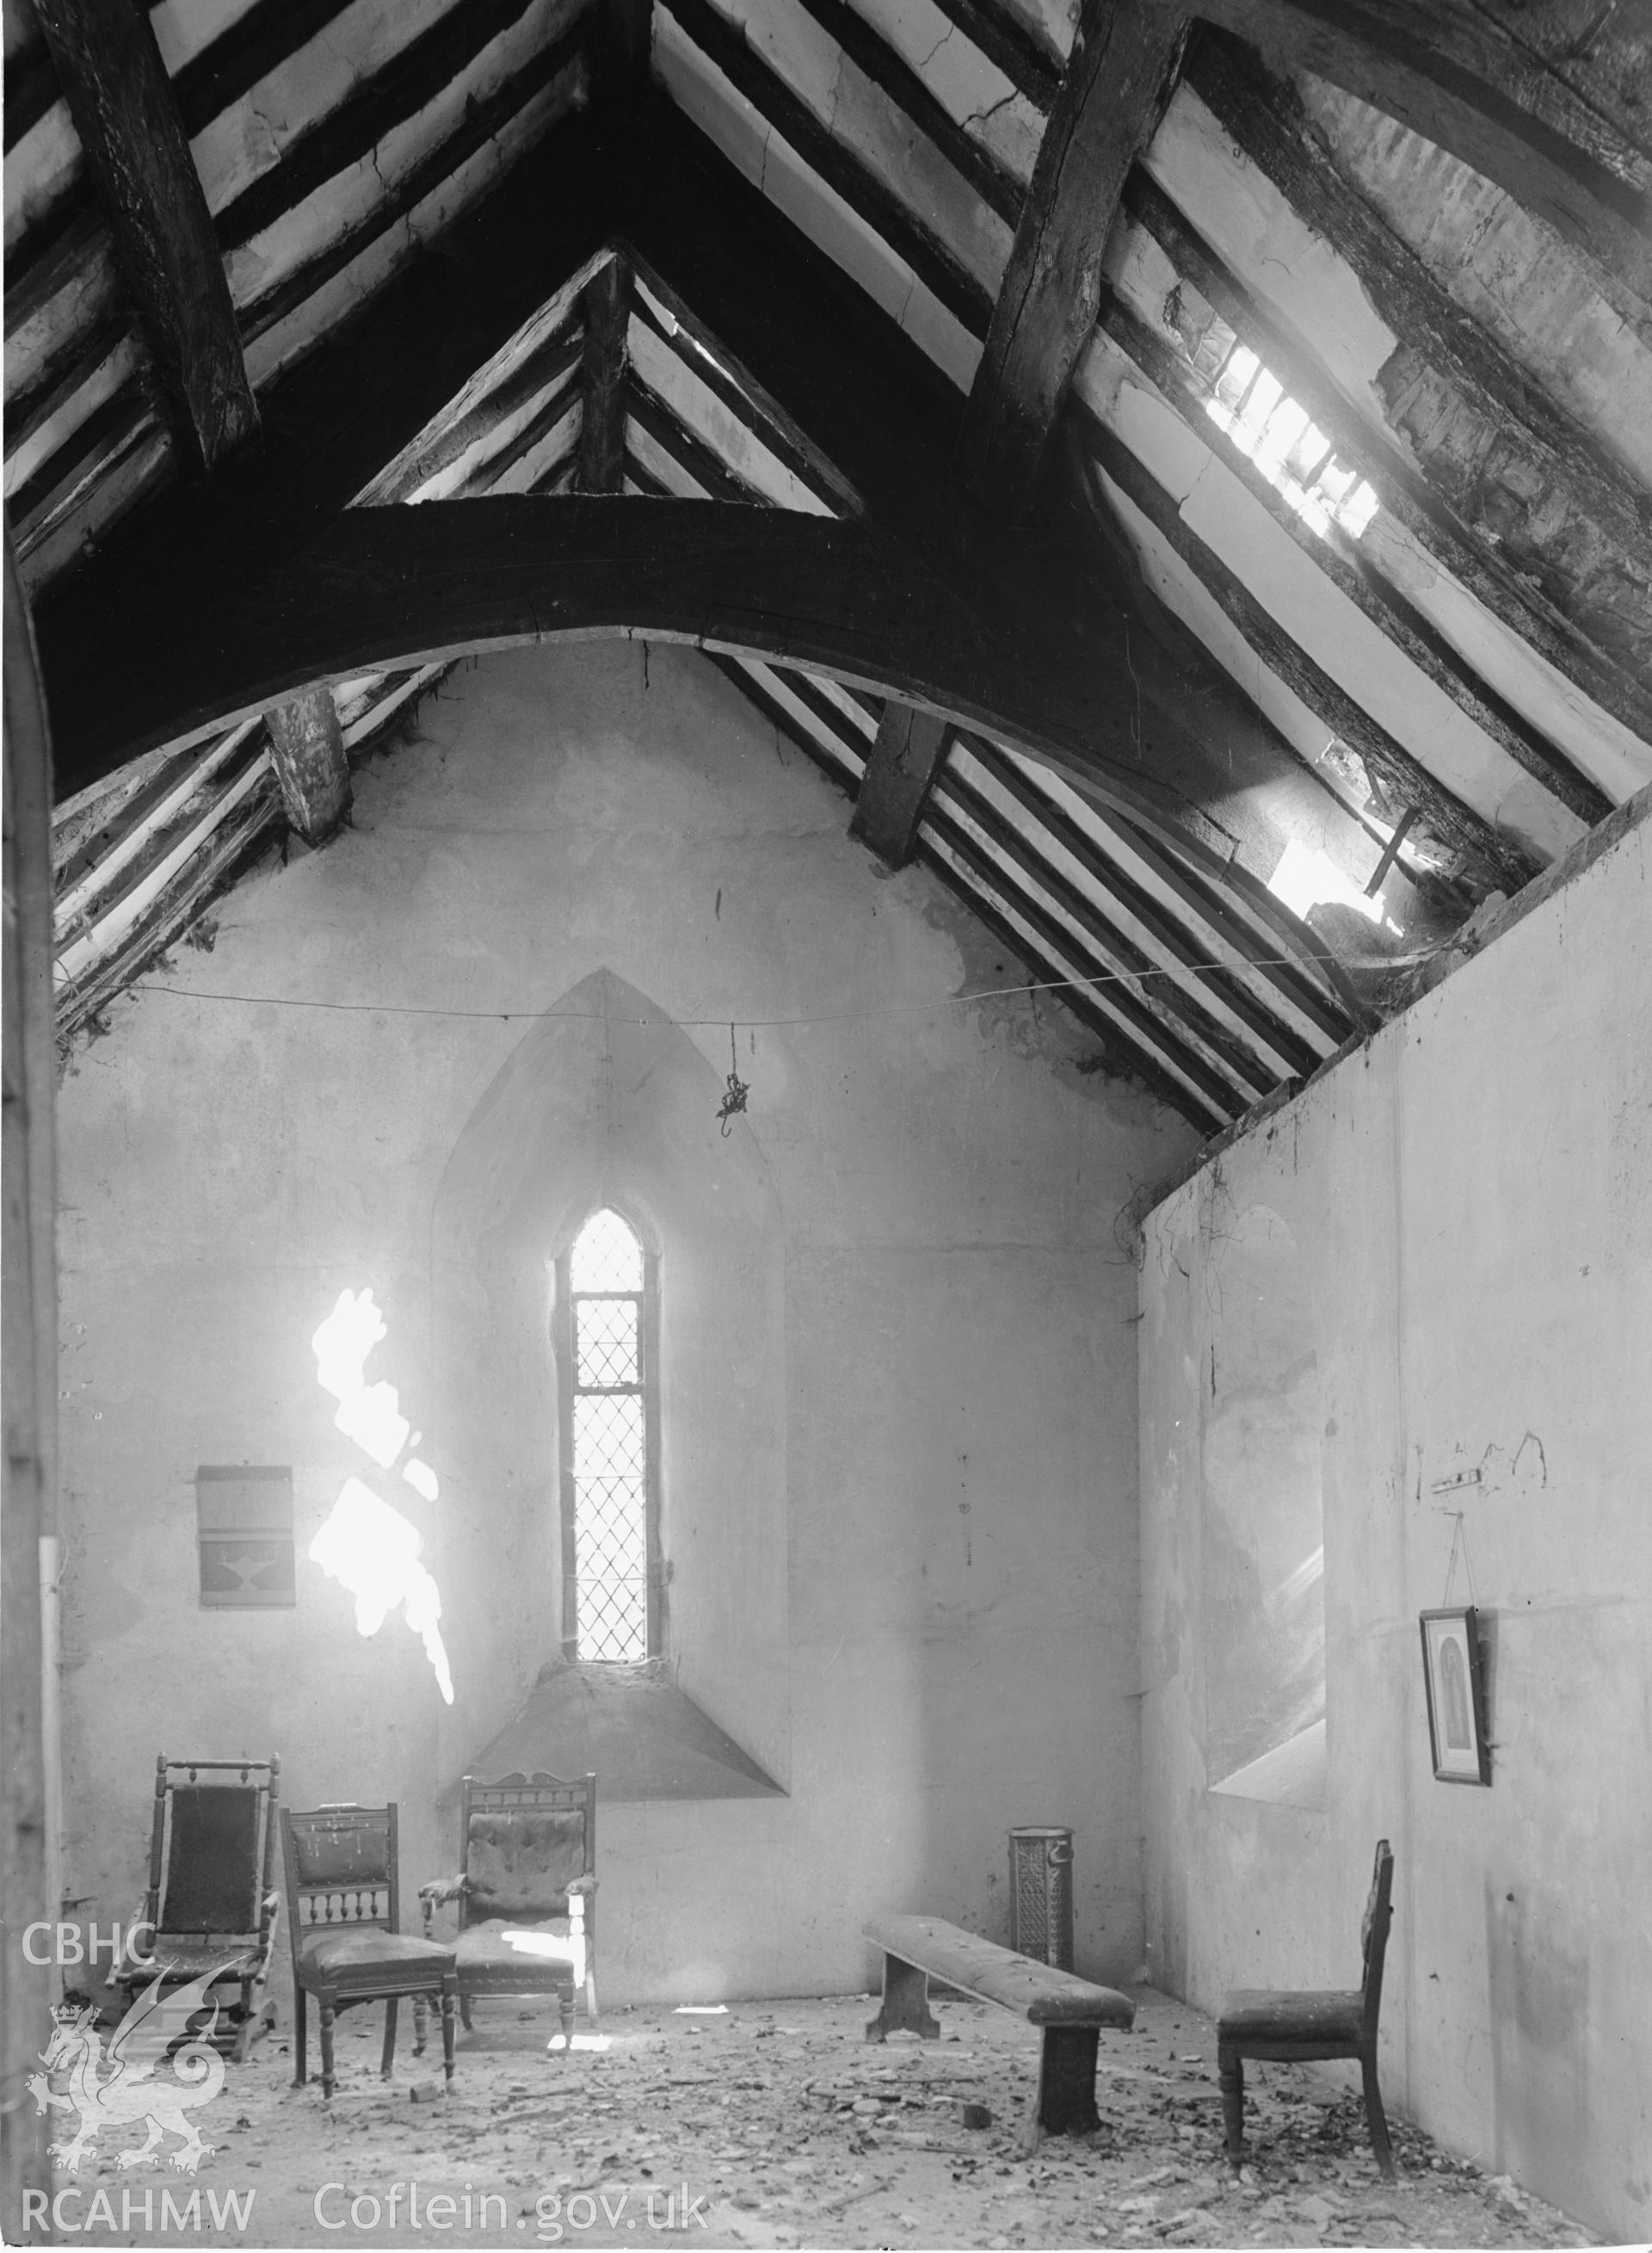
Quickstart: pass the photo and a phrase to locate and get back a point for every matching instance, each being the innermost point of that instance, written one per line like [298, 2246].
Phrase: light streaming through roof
[1308, 878]
[1253, 407]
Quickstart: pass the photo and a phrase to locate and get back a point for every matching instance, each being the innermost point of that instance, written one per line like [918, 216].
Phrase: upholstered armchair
[526, 1897]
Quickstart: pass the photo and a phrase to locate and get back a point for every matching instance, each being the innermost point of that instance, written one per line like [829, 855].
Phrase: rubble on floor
[779, 2125]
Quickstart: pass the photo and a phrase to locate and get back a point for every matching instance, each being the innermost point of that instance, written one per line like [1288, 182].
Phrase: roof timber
[1507, 591]
[1075, 964]
[1515, 464]
[398, 586]
[1125, 60]
[128, 121]
[606, 302]
[960, 813]
[1026, 61]
[800, 340]
[334, 419]
[1405, 776]
[878, 409]
[308, 750]
[925, 250]
[348, 134]
[1158, 355]
[904, 762]
[1462, 79]
[878, 62]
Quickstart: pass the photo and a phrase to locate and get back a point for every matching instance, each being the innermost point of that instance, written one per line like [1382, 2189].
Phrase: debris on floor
[776, 2124]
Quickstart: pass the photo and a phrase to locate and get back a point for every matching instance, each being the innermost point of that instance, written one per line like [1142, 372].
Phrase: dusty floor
[779, 2126]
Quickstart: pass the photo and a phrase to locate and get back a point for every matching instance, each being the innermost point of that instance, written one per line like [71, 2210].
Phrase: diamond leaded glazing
[610, 1443]
[606, 1256]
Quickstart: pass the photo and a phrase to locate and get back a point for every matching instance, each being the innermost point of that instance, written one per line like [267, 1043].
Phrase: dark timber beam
[904, 762]
[1120, 76]
[384, 588]
[1448, 69]
[126, 116]
[311, 765]
[606, 306]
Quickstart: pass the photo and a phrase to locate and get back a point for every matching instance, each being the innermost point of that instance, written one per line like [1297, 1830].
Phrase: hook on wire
[734, 1096]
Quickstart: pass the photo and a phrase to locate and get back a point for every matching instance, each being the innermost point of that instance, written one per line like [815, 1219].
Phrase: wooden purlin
[1507, 594]
[1402, 772]
[1414, 634]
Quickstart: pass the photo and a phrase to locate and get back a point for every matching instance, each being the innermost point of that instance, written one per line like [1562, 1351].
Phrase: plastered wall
[1470, 1203]
[902, 1387]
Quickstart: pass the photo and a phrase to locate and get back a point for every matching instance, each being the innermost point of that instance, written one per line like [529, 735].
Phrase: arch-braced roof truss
[1404, 537]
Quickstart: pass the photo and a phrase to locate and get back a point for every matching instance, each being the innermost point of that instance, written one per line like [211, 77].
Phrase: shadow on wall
[606, 1102]
[1264, 1531]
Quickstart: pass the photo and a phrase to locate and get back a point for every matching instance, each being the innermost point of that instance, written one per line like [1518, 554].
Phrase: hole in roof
[1252, 406]
[1307, 878]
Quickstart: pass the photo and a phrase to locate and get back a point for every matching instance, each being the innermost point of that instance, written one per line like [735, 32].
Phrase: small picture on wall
[1455, 1682]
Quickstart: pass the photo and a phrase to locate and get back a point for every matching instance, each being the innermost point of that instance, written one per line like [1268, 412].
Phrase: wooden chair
[1257, 2023]
[526, 1897]
[345, 1911]
[210, 1902]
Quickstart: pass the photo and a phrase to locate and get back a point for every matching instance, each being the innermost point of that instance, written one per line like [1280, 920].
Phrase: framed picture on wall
[1455, 1681]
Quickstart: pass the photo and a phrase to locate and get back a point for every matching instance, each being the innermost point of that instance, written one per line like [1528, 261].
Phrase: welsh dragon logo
[108, 2089]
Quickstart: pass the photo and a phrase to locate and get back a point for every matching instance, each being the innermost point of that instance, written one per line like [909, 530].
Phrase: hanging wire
[1459, 1545]
[737, 1090]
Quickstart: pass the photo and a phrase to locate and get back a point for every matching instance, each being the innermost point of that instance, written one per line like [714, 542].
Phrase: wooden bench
[1069, 2011]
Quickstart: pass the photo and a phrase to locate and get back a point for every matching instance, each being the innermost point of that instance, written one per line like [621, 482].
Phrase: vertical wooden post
[894, 788]
[28, 1365]
[602, 437]
[314, 773]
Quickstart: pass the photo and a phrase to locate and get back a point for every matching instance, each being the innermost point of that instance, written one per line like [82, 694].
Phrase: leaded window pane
[605, 1335]
[606, 1256]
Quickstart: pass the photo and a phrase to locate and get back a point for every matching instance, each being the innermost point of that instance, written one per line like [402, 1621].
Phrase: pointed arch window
[608, 1330]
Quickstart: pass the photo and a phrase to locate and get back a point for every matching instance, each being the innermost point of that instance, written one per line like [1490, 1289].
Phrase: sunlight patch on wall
[373, 1552]
[365, 1544]
[369, 1413]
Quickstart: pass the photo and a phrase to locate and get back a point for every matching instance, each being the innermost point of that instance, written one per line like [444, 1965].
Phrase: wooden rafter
[1339, 557]
[777, 327]
[904, 761]
[1403, 774]
[125, 113]
[1517, 467]
[347, 134]
[1452, 72]
[877, 61]
[925, 251]
[806, 337]
[1031, 67]
[1120, 77]
[1509, 593]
